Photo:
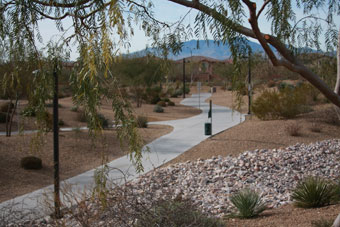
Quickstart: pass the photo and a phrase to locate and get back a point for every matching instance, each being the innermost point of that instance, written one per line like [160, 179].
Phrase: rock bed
[209, 183]
[272, 173]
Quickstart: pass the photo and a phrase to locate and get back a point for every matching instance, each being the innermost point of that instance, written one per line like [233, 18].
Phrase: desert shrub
[293, 129]
[170, 103]
[74, 108]
[29, 111]
[61, 122]
[142, 122]
[248, 203]
[161, 103]
[176, 213]
[286, 103]
[283, 85]
[3, 117]
[166, 99]
[5, 106]
[187, 90]
[158, 109]
[153, 99]
[176, 93]
[313, 192]
[152, 95]
[31, 162]
[322, 223]
[104, 122]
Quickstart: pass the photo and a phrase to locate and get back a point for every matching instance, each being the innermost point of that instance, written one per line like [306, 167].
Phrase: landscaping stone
[210, 183]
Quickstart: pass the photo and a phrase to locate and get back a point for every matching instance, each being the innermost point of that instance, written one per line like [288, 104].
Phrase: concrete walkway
[186, 134]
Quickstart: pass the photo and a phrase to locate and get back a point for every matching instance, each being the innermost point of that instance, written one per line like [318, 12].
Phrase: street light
[249, 81]
[184, 78]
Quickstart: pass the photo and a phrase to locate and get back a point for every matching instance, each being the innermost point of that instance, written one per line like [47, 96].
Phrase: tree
[337, 85]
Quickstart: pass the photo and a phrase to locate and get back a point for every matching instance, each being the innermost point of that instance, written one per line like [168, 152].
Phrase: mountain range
[207, 48]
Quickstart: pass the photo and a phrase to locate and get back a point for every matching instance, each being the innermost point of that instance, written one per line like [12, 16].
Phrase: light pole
[184, 78]
[249, 82]
[56, 146]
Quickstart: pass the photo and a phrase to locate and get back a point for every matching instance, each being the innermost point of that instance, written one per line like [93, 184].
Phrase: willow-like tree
[229, 21]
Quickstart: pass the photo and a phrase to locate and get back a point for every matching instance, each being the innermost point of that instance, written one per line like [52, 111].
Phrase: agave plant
[313, 192]
[248, 203]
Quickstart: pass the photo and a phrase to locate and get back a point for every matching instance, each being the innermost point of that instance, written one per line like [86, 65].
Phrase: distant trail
[186, 134]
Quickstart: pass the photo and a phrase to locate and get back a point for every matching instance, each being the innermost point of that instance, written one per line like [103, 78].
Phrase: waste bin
[207, 129]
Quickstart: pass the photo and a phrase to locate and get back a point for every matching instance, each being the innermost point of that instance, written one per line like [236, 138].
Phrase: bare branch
[262, 8]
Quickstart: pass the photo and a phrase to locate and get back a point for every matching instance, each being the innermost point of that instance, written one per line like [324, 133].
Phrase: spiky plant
[313, 192]
[248, 203]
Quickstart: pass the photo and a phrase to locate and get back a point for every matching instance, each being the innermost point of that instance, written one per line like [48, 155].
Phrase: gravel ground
[209, 183]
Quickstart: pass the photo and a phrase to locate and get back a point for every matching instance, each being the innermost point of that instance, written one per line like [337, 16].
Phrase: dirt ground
[289, 215]
[78, 152]
[249, 135]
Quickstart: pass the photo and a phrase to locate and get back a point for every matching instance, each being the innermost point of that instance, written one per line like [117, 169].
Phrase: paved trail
[186, 134]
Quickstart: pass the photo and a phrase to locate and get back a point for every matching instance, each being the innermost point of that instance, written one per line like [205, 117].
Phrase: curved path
[186, 134]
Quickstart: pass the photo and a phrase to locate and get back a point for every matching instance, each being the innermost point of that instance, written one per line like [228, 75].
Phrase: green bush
[161, 103]
[166, 99]
[286, 103]
[61, 122]
[29, 111]
[47, 119]
[142, 122]
[313, 192]
[283, 85]
[176, 93]
[3, 117]
[104, 122]
[248, 203]
[176, 213]
[158, 109]
[170, 103]
[154, 99]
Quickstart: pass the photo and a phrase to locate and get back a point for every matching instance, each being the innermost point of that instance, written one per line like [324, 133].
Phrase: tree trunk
[337, 85]
[11, 119]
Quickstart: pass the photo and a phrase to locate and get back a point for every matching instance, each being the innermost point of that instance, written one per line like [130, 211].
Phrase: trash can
[207, 129]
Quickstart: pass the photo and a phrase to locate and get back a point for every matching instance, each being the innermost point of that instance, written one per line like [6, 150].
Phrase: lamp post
[56, 146]
[184, 78]
[249, 82]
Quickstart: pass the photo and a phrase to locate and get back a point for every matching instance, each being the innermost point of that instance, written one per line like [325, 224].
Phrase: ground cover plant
[314, 192]
[248, 204]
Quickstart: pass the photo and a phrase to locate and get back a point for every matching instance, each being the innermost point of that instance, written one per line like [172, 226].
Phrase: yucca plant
[313, 192]
[248, 203]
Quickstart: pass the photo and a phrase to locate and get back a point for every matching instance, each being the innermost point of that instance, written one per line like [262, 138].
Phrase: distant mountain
[208, 48]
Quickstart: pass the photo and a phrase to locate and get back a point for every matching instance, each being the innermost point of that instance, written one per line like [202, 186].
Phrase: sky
[164, 11]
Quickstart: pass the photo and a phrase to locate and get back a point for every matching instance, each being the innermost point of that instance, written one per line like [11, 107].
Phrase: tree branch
[262, 8]
[62, 5]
